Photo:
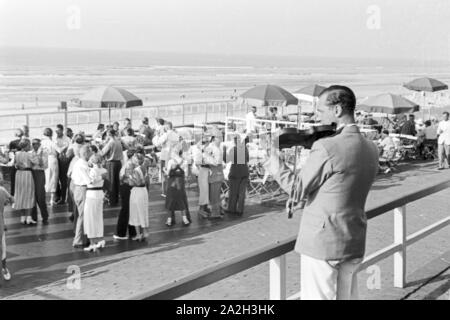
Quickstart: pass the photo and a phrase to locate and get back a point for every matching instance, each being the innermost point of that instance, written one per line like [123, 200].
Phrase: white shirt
[48, 146]
[80, 173]
[214, 155]
[167, 141]
[251, 124]
[444, 132]
[62, 143]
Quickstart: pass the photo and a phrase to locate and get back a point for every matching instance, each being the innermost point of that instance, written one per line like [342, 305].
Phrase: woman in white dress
[51, 173]
[139, 198]
[93, 207]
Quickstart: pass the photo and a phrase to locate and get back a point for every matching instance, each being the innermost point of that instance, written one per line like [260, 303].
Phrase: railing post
[278, 278]
[182, 114]
[206, 113]
[100, 116]
[65, 118]
[27, 120]
[400, 238]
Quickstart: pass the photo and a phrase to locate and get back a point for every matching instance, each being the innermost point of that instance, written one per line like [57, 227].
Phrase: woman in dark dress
[176, 199]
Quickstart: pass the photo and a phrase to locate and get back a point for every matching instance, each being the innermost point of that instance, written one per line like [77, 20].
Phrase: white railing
[276, 254]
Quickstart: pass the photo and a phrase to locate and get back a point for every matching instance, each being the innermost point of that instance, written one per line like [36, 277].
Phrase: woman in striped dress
[24, 186]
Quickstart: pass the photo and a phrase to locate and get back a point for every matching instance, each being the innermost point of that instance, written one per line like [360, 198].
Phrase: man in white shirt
[80, 179]
[443, 132]
[203, 175]
[214, 158]
[250, 118]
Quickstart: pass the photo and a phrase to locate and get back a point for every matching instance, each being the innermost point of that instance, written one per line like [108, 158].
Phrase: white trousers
[203, 186]
[3, 249]
[324, 280]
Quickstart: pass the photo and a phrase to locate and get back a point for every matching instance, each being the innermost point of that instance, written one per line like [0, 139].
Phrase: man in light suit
[332, 190]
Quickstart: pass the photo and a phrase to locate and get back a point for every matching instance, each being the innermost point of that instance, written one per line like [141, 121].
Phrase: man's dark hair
[112, 132]
[100, 126]
[411, 116]
[60, 127]
[386, 131]
[130, 132]
[128, 119]
[341, 95]
[48, 132]
[427, 123]
[446, 113]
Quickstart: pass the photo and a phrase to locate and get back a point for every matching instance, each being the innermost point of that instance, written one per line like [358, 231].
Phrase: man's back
[336, 181]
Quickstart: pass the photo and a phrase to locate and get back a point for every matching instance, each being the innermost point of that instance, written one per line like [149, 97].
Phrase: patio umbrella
[426, 84]
[310, 94]
[269, 95]
[312, 91]
[109, 97]
[388, 103]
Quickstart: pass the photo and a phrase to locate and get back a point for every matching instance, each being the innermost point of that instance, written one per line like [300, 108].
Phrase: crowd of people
[114, 166]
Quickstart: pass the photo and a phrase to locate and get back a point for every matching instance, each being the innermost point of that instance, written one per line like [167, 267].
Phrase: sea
[40, 78]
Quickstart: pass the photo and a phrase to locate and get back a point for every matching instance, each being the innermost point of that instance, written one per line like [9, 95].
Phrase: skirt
[93, 214]
[24, 190]
[176, 198]
[51, 174]
[139, 207]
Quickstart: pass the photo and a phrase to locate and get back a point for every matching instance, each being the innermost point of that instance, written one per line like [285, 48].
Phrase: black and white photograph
[224, 155]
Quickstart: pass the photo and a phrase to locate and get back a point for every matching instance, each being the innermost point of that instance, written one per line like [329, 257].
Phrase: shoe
[6, 274]
[215, 217]
[30, 220]
[45, 222]
[170, 222]
[91, 248]
[163, 195]
[186, 222]
[60, 202]
[387, 171]
[72, 218]
[78, 246]
[116, 237]
[100, 244]
[23, 220]
[139, 238]
[207, 210]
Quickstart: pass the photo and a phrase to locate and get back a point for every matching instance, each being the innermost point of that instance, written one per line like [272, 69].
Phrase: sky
[417, 29]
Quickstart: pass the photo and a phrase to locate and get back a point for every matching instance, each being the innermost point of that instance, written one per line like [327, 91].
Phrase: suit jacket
[238, 156]
[333, 185]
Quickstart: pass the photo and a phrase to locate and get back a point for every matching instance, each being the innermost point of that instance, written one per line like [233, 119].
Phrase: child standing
[93, 207]
[5, 198]
[139, 197]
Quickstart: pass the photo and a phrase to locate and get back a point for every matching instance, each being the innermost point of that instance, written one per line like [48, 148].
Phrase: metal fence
[88, 119]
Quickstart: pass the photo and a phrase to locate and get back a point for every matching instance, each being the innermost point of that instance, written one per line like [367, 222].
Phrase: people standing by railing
[38, 172]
